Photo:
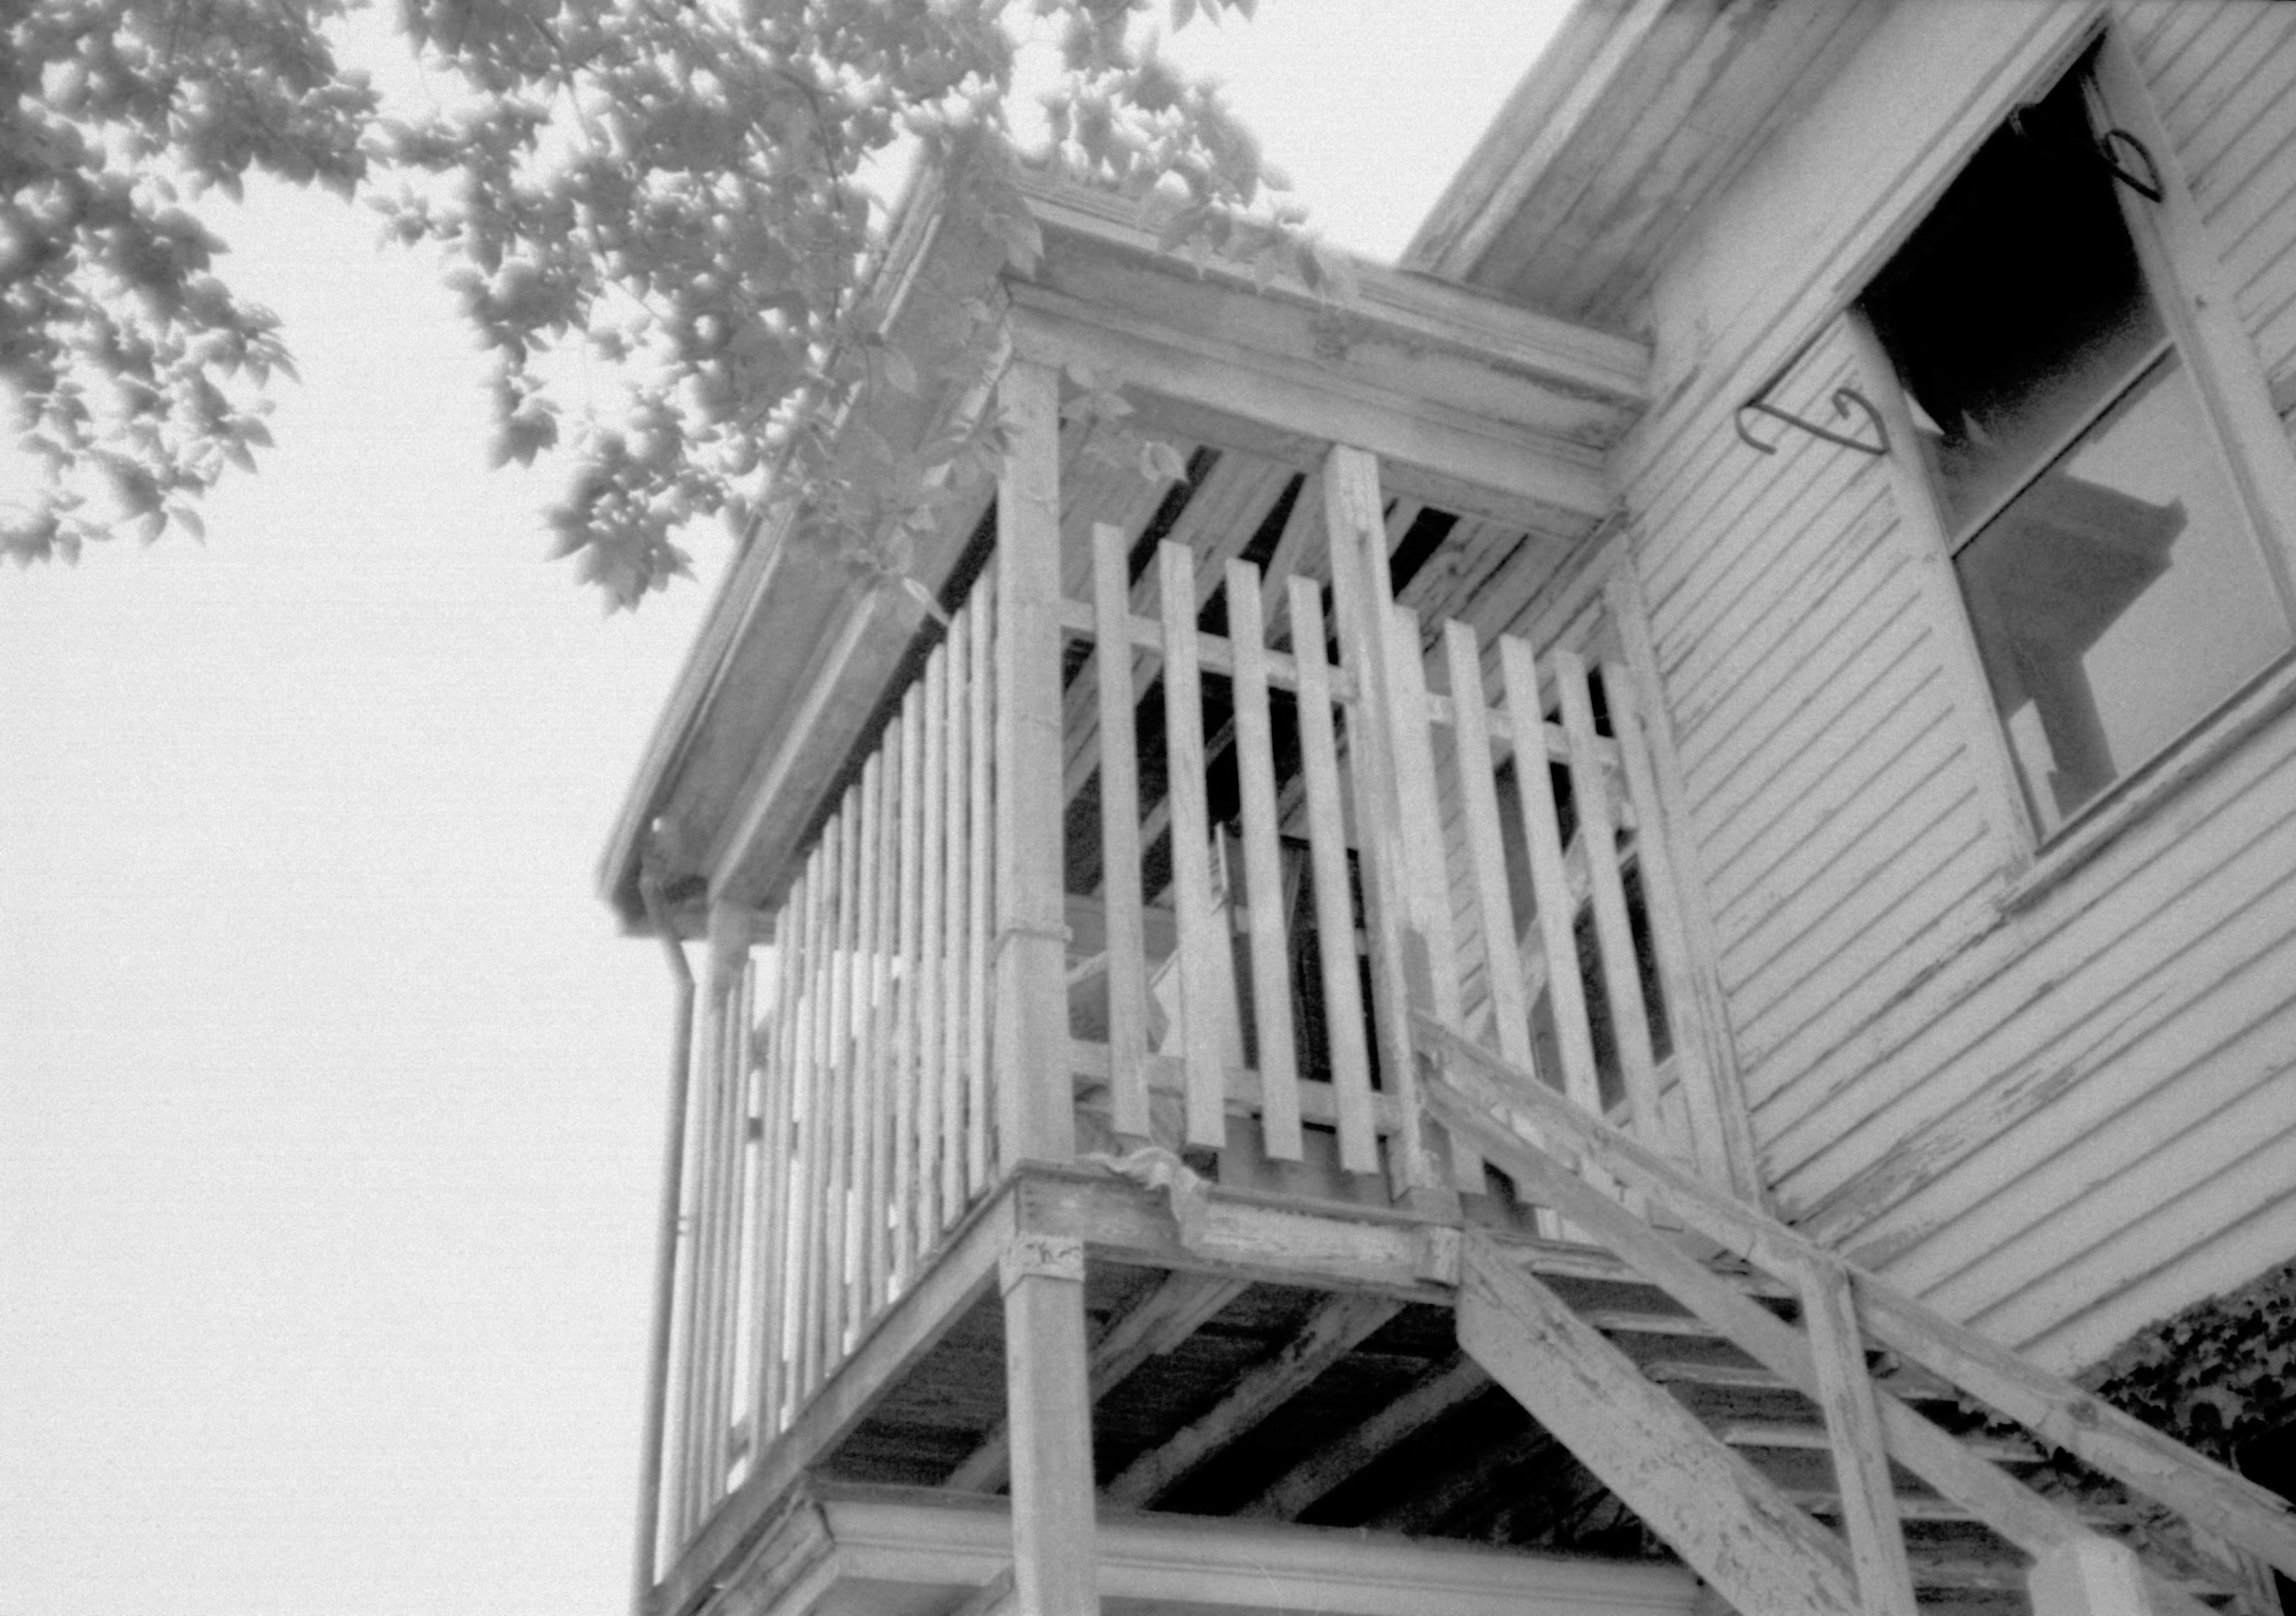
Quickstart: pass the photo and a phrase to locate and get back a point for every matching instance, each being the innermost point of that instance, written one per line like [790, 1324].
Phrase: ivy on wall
[2215, 1376]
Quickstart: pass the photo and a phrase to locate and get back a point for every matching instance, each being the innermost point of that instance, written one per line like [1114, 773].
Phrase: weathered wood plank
[1479, 802]
[1434, 1395]
[1330, 1333]
[1361, 603]
[981, 857]
[1037, 1119]
[1853, 1427]
[1721, 1126]
[932, 978]
[1119, 843]
[774, 1261]
[1263, 872]
[812, 1153]
[1165, 1316]
[837, 1316]
[1428, 890]
[878, 784]
[1720, 1515]
[2051, 1409]
[1206, 970]
[1327, 869]
[1550, 883]
[1598, 833]
[907, 1069]
[1050, 1405]
[958, 899]
[860, 1187]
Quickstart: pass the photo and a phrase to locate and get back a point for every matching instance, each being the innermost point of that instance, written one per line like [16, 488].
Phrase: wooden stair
[1807, 1438]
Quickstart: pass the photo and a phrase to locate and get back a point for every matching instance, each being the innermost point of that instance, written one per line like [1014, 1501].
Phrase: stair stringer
[1530, 1341]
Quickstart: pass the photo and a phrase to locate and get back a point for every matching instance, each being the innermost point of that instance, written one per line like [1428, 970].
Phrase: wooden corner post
[1035, 1118]
[1362, 605]
[1048, 1402]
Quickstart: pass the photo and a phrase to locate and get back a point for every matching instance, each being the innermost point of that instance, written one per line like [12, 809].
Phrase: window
[2115, 578]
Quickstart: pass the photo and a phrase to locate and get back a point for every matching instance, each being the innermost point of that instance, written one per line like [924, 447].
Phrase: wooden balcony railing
[1172, 865]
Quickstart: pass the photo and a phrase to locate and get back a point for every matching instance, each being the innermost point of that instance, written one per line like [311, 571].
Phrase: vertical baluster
[1550, 884]
[980, 857]
[812, 1151]
[1710, 1142]
[741, 1340]
[881, 1113]
[1263, 871]
[839, 1209]
[952, 945]
[1598, 833]
[930, 977]
[1429, 896]
[1205, 970]
[1127, 961]
[1487, 855]
[1335, 921]
[867, 1084]
[684, 1469]
[1361, 606]
[773, 1257]
[718, 1332]
[906, 1067]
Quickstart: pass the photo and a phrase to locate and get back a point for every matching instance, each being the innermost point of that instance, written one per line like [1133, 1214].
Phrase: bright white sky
[330, 1103]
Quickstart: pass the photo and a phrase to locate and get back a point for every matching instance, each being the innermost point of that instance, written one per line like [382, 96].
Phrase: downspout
[665, 1250]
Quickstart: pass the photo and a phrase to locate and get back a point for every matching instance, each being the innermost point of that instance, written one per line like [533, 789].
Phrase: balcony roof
[1474, 406]
[1637, 114]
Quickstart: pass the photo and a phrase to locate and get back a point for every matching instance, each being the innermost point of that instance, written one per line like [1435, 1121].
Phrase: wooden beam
[997, 1596]
[1362, 611]
[1433, 1396]
[1054, 1573]
[1166, 1315]
[2054, 1410]
[1239, 1235]
[1984, 1491]
[1853, 1428]
[1331, 1333]
[1729, 1522]
[946, 1545]
[1037, 1114]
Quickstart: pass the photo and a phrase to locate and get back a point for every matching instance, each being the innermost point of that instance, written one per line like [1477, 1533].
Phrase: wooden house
[1587, 969]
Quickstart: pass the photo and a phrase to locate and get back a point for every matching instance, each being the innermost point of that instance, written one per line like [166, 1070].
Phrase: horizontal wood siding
[2058, 1121]
[2221, 73]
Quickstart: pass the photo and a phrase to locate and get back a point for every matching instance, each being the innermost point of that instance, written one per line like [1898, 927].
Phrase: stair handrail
[1523, 1125]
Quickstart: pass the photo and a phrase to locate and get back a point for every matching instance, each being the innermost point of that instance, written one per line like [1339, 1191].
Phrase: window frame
[2185, 278]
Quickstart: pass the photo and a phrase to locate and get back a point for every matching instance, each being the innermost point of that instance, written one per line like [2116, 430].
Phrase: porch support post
[1036, 1116]
[1401, 972]
[2090, 1576]
[1049, 1402]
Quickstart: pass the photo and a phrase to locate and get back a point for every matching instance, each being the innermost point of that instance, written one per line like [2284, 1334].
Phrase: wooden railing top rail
[1532, 1130]
[1217, 654]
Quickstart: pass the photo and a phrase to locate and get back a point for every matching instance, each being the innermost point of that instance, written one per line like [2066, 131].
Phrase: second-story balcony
[1211, 1022]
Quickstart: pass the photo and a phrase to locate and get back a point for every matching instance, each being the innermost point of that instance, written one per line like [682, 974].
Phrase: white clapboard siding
[2059, 1120]
[2223, 75]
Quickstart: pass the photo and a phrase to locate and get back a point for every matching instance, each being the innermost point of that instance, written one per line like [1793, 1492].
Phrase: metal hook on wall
[2148, 187]
[1844, 398]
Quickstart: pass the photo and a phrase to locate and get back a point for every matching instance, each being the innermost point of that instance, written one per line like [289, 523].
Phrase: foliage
[2217, 1376]
[675, 187]
[134, 365]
